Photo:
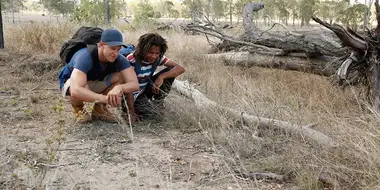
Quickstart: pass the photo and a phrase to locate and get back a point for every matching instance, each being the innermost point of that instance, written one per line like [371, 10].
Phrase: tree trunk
[367, 14]
[212, 13]
[108, 12]
[13, 12]
[231, 13]
[250, 28]
[248, 59]
[376, 86]
[1, 30]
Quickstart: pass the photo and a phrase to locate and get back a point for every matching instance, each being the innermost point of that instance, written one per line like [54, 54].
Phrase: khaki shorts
[95, 86]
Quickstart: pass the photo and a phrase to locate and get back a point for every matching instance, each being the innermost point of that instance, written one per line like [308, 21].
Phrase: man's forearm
[86, 95]
[174, 72]
[129, 87]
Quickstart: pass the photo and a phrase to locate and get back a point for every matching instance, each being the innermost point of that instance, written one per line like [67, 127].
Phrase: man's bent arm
[130, 81]
[79, 91]
[174, 72]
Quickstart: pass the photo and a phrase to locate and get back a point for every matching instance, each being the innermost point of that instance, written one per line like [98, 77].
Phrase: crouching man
[98, 74]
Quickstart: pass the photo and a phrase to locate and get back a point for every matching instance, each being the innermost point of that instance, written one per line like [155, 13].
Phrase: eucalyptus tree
[12, 5]
[192, 8]
[59, 6]
[353, 16]
[94, 11]
[308, 8]
[219, 10]
[292, 7]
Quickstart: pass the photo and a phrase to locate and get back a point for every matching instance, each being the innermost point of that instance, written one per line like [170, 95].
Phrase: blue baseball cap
[112, 37]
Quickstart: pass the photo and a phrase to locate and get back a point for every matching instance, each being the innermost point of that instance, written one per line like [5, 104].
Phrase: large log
[248, 59]
[311, 42]
[306, 132]
[314, 43]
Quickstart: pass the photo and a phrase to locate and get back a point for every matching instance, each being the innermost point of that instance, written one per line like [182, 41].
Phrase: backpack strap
[137, 66]
[155, 65]
[93, 50]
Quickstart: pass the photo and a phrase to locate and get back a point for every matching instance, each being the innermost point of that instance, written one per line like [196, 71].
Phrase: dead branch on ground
[202, 101]
[247, 59]
[261, 176]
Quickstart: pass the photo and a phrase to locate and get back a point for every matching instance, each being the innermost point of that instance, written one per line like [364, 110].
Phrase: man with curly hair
[148, 55]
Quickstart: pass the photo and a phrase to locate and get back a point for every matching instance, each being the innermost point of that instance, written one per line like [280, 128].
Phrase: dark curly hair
[148, 40]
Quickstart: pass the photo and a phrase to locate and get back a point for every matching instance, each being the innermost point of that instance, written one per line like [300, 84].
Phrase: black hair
[148, 40]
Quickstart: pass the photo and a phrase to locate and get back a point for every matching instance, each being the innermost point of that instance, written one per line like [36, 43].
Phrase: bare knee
[116, 78]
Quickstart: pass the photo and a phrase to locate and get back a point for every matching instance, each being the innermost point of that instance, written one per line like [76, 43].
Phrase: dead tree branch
[202, 101]
[348, 38]
[206, 17]
[259, 48]
[286, 28]
[205, 28]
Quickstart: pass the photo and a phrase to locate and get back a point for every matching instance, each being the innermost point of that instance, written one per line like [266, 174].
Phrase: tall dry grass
[285, 95]
[37, 37]
[290, 96]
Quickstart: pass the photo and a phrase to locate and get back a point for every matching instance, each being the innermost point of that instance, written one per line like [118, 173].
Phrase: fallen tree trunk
[314, 43]
[248, 59]
[306, 132]
[310, 42]
[337, 43]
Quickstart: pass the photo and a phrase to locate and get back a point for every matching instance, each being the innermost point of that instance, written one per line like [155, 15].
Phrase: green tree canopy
[59, 6]
[94, 11]
[353, 16]
[145, 13]
[12, 5]
[308, 8]
[219, 11]
[191, 8]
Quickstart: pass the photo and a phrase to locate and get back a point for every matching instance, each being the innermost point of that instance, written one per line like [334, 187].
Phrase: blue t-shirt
[82, 60]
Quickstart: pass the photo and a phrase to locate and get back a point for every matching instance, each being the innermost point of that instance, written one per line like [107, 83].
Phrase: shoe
[101, 112]
[81, 115]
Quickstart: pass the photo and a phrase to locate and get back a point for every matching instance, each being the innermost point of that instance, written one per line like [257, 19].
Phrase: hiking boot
[81, 115]
[101, 112]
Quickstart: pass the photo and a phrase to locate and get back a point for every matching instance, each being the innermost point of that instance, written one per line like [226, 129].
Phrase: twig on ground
[56, 165]
[261, 175]
[72, 149]
[311, 125]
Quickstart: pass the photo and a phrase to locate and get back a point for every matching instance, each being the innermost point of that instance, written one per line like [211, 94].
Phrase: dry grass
[37, 36]
[290, 96]
[286, 95]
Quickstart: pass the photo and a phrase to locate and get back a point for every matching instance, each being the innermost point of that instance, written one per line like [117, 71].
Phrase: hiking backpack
[83, 37]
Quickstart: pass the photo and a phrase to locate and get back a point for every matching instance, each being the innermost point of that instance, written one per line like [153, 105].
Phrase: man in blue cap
[98, 74]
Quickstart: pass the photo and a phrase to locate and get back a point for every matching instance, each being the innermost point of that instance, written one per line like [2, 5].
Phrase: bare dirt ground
[41, 147]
